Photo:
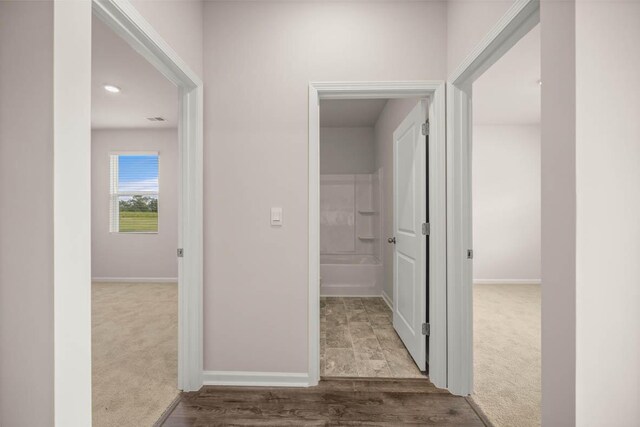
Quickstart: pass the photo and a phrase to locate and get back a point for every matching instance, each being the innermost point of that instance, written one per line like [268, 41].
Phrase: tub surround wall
[347, 214]
[366, 235]
[349, 235]
[350, 275]
[376, 220]
[337, 214]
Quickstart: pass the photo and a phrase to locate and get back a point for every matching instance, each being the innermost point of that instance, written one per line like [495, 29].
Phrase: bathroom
[358, 337]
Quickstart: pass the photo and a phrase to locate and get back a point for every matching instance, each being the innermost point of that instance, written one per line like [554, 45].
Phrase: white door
[409, 213]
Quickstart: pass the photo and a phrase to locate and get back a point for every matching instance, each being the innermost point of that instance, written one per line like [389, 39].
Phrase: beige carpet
[134, 353]
[507, 353]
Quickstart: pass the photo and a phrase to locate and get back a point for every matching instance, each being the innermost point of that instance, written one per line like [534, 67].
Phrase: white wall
[506, 203]
[392, 115]
[130, 255]
[259, 59]
[72, 212]
[26, 212]
[608, 213]
[558, 166]
[346, 150]
[468, 21]
[180, 23]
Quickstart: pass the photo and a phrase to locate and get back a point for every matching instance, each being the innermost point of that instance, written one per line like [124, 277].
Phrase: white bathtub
[354, 275]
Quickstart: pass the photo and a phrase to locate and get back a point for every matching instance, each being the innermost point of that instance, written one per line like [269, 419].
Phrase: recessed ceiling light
[111, 88]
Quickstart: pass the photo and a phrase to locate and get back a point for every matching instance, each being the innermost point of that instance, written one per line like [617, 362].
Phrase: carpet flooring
[134, 352]
[506, 349]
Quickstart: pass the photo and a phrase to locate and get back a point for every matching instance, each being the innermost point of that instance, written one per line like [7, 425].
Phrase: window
[134, 193]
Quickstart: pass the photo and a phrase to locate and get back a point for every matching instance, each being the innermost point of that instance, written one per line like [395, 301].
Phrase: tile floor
[357, 339]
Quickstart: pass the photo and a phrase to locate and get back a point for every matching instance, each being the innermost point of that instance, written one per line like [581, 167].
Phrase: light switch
[276, 216]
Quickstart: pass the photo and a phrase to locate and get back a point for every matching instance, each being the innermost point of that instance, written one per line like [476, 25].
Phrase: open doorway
[428, 168]
[372, 171]
[135, 177]
[506, 178]
[413, 316]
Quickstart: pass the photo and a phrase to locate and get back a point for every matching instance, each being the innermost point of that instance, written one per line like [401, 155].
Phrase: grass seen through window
[138, 214]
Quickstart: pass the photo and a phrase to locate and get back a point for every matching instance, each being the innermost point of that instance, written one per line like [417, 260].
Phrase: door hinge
[426, 329]
[425, 128]
[180, 252]
[469, 253]
[426, 228]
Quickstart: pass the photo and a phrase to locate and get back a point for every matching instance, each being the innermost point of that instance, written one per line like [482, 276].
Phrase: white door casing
[435, 92]
[517, 21]
[123, 18]
[410, 212]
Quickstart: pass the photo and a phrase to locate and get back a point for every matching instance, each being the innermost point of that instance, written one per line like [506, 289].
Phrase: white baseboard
[135, 279]
[387, 299]
[507, 281]
[256, 379]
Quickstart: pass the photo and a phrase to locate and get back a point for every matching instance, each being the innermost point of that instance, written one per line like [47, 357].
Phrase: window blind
[134, 191]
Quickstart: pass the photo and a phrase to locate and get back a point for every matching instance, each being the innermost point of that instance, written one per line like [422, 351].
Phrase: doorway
[349, 214]
[134, 198]
[372, 184]
[521, 17]
[506, 180]
[139, 36]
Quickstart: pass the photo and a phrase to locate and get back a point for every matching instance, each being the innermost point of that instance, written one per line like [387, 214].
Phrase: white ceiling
[144, 91]
[350, 112]
[508, 92]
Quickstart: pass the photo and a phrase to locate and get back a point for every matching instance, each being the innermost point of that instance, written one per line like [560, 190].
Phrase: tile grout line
[353, 347]
[380, 345]
[368, 310]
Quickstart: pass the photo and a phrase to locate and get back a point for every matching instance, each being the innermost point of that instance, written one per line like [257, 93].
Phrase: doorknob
[391, 240]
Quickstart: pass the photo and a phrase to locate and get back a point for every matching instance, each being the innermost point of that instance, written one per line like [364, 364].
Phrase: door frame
[435, 90]
[122, 17]
[521, 17]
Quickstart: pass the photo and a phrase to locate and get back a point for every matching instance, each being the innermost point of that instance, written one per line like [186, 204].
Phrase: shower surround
[350, 235]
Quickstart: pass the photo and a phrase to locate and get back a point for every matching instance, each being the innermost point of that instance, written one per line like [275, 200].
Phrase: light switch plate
[276, 216]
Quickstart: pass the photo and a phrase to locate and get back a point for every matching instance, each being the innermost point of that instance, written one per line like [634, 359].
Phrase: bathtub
[350, 275]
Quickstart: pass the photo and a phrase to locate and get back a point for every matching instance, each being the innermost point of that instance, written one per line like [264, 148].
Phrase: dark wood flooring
[334, 402]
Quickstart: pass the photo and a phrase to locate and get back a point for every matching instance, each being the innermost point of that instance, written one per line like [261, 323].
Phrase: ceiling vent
[155, 119]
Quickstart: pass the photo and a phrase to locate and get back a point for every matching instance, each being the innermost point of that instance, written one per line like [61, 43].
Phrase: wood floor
[334, 402]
